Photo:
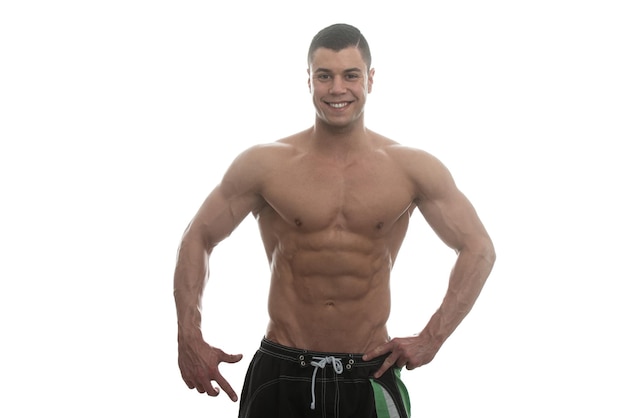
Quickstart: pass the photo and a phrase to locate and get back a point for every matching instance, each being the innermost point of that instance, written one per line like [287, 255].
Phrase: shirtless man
[333, 205]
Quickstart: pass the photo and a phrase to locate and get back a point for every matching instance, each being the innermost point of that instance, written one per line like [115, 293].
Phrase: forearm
[190, 277]
[467, 279]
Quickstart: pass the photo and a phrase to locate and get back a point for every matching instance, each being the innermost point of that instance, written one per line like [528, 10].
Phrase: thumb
[233, 358]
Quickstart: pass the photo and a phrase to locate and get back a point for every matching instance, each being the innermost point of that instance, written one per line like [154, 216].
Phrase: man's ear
[308, 79]
[370, 80]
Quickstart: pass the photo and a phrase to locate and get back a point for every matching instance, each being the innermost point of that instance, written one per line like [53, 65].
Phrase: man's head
[338, 37]
[340, 77]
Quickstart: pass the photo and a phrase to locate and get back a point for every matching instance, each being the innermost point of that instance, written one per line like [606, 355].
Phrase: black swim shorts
[284, 382]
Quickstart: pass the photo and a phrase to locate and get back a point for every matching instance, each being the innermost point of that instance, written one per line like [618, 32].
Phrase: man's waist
[305, 357]
[323, 337]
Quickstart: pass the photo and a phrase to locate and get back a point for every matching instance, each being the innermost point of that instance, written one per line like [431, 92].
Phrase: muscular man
[333, 205]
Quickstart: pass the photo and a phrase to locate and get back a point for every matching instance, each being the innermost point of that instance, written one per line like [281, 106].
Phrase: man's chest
[357, 196]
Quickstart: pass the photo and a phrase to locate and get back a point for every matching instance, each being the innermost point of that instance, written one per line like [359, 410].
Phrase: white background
[118, 117]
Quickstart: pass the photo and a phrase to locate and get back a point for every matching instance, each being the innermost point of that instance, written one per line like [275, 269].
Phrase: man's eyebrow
[349, 70]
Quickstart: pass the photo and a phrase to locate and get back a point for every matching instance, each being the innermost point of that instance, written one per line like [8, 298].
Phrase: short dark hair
[340, 36]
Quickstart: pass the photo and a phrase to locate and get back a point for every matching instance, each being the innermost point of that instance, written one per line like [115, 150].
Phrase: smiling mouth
[338, 105]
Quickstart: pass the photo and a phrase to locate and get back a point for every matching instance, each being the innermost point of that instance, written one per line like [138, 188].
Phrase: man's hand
[199, 362]
[411, 352]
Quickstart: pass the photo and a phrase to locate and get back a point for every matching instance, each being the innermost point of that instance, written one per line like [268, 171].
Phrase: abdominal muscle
[329, 292]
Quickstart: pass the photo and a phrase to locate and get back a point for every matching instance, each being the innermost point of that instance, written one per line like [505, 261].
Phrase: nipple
[298, 222]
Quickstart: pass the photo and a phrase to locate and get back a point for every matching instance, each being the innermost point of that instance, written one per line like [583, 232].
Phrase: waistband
[305, 357]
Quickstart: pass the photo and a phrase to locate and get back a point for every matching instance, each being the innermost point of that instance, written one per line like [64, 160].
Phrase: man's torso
[332, 229]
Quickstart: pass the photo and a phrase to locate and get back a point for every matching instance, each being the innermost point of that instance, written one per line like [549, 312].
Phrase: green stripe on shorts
[385, 407]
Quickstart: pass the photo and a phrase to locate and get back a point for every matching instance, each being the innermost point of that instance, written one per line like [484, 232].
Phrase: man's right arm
[222, 211]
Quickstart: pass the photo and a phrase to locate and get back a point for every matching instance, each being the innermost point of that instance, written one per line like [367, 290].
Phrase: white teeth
[338, 105]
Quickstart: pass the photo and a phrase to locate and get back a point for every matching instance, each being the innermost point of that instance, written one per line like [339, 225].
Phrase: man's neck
[339, 138]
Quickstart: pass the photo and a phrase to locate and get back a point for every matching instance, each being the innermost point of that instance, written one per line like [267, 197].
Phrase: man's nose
[337, 86]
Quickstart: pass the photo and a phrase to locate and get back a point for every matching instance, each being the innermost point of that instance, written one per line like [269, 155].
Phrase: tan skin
[333, 206]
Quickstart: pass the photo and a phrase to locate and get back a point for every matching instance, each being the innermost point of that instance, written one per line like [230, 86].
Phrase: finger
[232, 358]
[227, 388]
[417, 363]
[378, 351]
[389, 361]
[212, 391]
[204, 385]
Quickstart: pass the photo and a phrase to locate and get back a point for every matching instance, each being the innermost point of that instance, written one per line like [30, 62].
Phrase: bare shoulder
[428, 174]
[399, 152]
[252, 166]
[261, 156]
[264, 156]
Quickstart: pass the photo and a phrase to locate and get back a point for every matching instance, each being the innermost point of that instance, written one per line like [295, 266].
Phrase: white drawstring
[323, 361]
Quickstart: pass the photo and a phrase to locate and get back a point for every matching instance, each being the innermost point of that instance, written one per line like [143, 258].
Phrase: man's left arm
[454, 219]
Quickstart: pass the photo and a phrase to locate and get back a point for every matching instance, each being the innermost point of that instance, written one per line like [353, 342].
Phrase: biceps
[453, 218]
[220, 214]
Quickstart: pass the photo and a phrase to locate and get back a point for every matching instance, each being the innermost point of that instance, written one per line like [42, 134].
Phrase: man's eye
[323, 77]
[352, 76]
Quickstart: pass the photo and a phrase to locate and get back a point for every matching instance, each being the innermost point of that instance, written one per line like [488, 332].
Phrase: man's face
[339, 83]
